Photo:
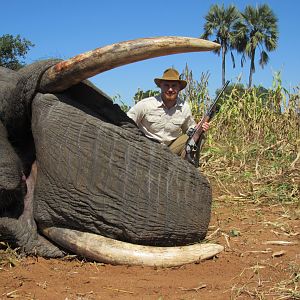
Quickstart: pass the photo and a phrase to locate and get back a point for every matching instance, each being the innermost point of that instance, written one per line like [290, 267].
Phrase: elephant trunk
[72, 71]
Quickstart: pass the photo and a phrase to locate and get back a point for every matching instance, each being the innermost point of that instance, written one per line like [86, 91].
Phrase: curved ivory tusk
[115, 252]
[72, 71]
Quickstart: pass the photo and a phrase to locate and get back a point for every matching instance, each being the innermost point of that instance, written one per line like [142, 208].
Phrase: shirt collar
[160, 103]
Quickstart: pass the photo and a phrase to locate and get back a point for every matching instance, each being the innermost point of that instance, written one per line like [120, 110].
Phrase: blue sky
[65, 28]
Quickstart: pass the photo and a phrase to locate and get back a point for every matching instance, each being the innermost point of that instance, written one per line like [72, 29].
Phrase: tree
[257, 29]
[12, 50]
[220, 22]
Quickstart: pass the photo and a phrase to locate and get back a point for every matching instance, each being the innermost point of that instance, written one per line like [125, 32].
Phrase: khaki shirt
[160, 123]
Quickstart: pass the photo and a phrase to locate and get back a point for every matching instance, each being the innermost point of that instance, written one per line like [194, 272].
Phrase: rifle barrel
[213, 106]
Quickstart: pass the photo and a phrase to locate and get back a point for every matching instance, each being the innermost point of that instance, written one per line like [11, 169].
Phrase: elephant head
[77, 174]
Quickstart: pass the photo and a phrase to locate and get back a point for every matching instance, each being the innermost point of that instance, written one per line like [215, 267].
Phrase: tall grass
[196, 93]
[254, 141]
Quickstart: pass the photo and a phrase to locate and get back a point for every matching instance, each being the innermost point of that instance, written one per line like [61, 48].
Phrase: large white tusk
[72, 71]
[115, 252]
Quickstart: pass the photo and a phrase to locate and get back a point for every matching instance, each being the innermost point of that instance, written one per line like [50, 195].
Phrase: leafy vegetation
[246, 32]
[254, 142]
[140, 94]
[220, 22]
[117, 100]
[13, 50]
[257, 29]
[196, 93]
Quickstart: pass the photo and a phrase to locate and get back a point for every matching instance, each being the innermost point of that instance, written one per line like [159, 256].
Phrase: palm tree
[220, 22]
[256, 29]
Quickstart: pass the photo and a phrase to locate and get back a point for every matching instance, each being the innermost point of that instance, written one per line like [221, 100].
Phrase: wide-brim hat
[171, 75]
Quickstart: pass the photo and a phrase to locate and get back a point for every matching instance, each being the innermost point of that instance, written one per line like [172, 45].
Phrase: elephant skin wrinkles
[96, 172]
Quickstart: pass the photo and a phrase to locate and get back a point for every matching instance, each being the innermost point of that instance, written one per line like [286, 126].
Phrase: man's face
[169, 90]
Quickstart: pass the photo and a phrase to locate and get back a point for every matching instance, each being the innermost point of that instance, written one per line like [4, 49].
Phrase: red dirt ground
[247, 269]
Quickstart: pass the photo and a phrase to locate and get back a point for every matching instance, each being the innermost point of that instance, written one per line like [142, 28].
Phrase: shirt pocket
[174, 126]
[154, 123]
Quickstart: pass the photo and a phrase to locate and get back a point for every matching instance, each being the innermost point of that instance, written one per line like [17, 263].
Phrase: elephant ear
[17, 90]
[12, 189]
[8, 82]
[8, 77]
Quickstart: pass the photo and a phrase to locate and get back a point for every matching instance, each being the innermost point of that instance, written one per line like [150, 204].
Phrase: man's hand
[205, 126]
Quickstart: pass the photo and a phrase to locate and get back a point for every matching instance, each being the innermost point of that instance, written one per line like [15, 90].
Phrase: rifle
[195, 139]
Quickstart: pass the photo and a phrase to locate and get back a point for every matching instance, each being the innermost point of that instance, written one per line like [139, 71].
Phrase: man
[166, 118]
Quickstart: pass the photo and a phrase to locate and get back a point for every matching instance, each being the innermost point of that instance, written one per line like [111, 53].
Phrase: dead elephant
[98, 187]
